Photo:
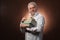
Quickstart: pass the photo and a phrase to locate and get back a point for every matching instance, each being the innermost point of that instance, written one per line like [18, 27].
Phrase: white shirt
[40, 23]
[38, 28]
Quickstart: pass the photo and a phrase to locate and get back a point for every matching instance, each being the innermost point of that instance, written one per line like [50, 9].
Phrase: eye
[33, 7]
[30, 8]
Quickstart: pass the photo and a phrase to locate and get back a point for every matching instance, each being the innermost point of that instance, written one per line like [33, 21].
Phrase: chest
[36, 18]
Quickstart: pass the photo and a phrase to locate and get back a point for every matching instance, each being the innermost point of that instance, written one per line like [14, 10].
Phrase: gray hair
[32, 3]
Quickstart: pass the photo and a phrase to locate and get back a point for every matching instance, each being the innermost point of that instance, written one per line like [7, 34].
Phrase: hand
[23, 19]
[31, 29]
[24, 25]
[27, 28]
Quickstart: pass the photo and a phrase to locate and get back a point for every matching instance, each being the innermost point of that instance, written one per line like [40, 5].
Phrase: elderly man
[33, 33]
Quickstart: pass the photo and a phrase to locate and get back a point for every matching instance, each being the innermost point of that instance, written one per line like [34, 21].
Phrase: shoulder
[40, 15]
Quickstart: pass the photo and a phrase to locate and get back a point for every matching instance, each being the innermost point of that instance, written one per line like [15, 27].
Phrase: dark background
[13, 10]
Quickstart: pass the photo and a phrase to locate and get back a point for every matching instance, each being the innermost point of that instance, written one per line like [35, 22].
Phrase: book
[31, 22]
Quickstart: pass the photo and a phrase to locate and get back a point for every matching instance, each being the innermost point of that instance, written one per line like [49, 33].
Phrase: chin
[32, 12]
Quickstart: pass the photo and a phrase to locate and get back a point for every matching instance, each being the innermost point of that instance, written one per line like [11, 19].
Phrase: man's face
[32, 9]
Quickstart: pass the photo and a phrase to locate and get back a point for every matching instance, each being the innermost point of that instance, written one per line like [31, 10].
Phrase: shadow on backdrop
[13, 10]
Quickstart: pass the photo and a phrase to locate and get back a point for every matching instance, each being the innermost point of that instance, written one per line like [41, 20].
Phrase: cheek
[35, 9]
[29, 10]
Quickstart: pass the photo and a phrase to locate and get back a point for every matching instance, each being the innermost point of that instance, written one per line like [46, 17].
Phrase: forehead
[30, 5]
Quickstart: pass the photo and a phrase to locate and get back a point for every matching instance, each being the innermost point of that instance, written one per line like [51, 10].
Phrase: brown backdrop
[13, 10]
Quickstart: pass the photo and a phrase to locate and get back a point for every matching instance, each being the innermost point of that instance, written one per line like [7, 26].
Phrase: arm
[39, 27]
[20, 27]
[23, 25]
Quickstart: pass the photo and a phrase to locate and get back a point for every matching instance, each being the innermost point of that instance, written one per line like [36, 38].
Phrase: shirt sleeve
[21, 29]
[39, 27]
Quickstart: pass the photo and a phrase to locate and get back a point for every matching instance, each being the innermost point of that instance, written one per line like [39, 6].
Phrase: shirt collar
[36, 14]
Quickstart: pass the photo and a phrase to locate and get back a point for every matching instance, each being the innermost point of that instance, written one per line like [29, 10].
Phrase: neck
[32, 14]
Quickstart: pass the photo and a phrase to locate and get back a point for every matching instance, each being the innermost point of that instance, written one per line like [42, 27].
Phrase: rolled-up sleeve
[21, 29]
[40, 25]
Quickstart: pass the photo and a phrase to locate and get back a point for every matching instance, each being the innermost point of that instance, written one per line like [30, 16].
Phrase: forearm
[35, 29]
[38, 27]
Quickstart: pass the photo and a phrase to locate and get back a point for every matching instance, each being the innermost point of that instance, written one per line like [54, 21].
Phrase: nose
[32, 9]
